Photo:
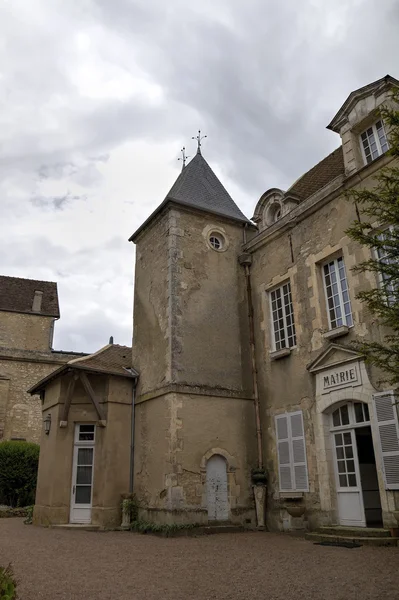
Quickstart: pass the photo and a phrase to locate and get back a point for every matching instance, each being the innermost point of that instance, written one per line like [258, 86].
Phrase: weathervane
[199, 138]
[183, 157]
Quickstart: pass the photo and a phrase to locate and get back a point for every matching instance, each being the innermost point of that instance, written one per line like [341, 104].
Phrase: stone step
[77, 527]
[340, 530]
[211, 529]
[360, 540]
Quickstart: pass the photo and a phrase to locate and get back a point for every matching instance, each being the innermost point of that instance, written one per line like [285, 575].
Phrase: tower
[194, 434]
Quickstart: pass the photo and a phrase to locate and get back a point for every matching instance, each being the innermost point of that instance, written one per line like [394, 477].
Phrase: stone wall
[26, 331]
[20, 413]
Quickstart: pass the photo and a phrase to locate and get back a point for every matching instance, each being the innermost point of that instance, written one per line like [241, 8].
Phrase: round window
[216, 240]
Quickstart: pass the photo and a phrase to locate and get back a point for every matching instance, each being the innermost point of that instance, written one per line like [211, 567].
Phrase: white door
[349, 490]
[82, 474]
[216, 485]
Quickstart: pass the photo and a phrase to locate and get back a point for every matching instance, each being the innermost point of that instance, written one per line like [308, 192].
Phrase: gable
[365, 96]
[333, 355]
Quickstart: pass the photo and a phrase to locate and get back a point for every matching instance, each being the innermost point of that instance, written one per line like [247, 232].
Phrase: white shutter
[388, 429]
[283, 452]
[300, 468]
[291, 450]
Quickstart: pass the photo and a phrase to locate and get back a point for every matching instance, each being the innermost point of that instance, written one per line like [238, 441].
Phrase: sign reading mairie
[344, 376]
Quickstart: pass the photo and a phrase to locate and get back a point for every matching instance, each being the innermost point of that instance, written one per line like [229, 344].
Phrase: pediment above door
[337, 368]
[332, 356]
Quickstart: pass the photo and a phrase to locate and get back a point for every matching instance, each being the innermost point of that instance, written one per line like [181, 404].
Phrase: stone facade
[205, 292]
[193, 384]
[26, 337]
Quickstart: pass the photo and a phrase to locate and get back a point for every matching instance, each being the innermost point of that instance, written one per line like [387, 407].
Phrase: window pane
[336, 418]
[352, 480]
[343, 481]
[86, 433]
[341, 466]
[85, 456]
[340, 452]
[347, 439]
[83, 494]
[348, 451]
[358, 412]
[344, 415]
[338, 439]
[83, 475]
[366, 412]
[350, 466]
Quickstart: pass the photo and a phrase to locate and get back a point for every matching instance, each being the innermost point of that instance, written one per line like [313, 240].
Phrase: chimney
[37, 301]
[111, 339]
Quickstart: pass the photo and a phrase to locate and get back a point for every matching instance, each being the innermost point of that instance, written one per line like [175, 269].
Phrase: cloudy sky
[98, 96]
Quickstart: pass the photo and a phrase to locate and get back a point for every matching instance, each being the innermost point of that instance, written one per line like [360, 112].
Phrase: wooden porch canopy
[110, 360]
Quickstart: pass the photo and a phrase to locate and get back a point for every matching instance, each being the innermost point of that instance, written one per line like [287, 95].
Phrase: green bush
[18, 473]
[8, 585]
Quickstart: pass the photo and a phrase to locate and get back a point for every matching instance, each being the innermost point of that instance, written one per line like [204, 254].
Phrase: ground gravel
[53, 564]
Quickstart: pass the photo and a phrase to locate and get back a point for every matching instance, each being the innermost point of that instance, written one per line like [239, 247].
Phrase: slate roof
[16, 295]
[110, 360]
[320, 175]
[197, 186]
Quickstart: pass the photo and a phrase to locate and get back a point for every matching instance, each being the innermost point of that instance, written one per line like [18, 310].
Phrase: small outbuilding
[87, 411]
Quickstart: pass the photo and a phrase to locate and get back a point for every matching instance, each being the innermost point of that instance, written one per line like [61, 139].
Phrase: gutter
[132, 423]
[246, 260]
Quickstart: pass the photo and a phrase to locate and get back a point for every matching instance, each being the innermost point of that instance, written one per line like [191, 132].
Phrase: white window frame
[84, 442]
[286, 336]
[380, 151]
[341, 299]
[290, 440]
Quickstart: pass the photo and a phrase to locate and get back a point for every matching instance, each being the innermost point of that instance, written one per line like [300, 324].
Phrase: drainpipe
[246, 260]
[131, 478]
[258, 479]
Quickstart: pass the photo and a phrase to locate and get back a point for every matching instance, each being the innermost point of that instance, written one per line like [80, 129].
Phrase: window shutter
[300, 469]
[284, 455]
[388, 429]
[291, 449]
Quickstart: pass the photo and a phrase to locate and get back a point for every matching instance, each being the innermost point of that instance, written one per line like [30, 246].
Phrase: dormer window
[374, 142]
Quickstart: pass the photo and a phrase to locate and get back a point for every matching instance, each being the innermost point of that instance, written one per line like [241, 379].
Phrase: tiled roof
[16, 295]
[112, 359]
[197, 186]
[320, 175]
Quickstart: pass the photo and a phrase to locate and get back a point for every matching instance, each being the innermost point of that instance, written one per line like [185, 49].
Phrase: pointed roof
[376, 87]
[198, 187]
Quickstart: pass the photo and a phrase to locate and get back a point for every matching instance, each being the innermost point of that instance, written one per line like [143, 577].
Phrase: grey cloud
[262, 79]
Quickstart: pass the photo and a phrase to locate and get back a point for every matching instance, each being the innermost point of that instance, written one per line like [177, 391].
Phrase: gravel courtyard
[53, 564]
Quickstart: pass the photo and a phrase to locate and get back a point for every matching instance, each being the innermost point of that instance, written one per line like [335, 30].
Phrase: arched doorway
[216, 488]
[358, 495]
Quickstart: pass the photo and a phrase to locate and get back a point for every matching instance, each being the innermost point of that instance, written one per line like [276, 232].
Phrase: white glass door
[82, 474]
[349, 491]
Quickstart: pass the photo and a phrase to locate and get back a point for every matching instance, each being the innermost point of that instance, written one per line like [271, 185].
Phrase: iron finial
[183, 157]
[199, 138]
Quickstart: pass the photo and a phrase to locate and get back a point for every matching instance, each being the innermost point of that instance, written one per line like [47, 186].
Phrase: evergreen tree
[377, 227]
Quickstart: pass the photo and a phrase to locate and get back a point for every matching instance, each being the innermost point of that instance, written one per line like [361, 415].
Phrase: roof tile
[320, 175]
[16, 295]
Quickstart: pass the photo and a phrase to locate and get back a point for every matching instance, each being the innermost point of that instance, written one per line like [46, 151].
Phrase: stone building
[28, 311]
[241, 343]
